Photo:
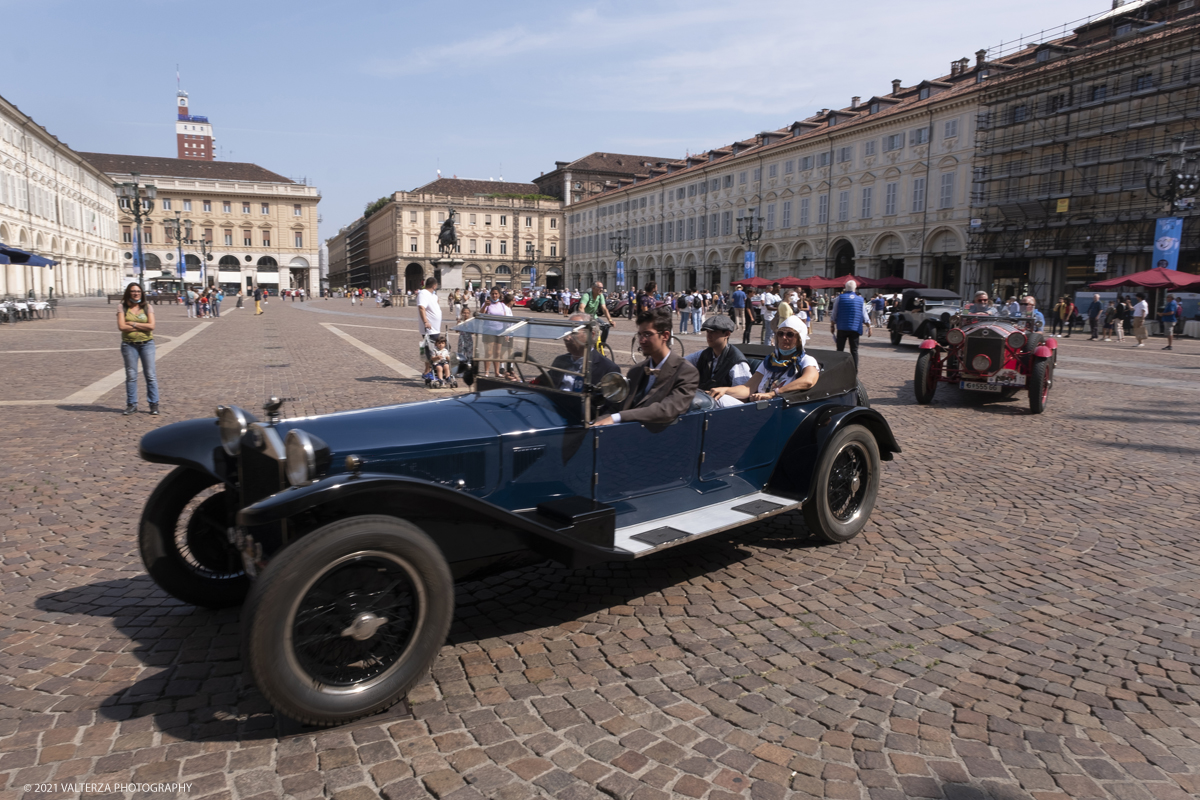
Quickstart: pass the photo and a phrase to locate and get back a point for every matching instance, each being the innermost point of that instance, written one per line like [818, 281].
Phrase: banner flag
[749, 265]
[1166, 242]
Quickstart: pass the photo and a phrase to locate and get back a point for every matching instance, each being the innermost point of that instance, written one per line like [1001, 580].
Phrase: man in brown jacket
[662, 387]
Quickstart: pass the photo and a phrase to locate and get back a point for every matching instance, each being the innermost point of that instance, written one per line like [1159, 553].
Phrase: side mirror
[614, 387]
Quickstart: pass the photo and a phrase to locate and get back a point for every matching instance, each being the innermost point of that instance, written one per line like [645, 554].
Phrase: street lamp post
[531, 254]
[205, 250]
[619, 244]
[1173, 178]
[176, 231]
[138, 199]
[750, 234]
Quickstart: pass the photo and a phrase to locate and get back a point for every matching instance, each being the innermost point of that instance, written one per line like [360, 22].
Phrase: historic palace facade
[508, 236]
[55, 203]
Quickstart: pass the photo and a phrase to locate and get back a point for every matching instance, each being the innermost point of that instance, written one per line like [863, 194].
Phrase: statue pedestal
[450, 270]
[448, 262]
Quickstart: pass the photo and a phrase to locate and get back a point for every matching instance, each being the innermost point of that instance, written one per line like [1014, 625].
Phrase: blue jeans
[684, 316]
[131, 353]
[696, 321]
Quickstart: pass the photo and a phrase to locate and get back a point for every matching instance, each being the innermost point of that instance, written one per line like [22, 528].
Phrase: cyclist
[593, 303]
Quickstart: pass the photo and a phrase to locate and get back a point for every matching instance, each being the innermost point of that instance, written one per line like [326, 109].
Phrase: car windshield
[539, 350]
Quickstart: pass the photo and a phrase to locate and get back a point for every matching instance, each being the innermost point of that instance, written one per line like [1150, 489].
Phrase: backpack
[682, 303]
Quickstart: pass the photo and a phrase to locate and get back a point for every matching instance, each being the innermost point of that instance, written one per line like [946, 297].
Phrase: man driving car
[662, 387]
[577, 345]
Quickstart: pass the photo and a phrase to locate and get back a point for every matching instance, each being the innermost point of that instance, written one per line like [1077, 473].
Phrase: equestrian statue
[447, 238]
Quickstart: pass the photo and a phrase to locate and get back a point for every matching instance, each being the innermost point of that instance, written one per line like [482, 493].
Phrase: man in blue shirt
[1029, 309]
[848, 319]
[739, 306]
[1170, 314]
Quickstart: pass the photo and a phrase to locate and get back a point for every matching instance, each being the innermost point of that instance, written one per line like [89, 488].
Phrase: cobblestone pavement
[1018, 620]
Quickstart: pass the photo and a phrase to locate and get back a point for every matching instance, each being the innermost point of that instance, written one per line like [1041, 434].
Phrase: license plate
[978, 386]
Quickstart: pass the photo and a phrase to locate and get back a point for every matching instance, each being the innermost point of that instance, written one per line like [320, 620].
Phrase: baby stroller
[386, 303]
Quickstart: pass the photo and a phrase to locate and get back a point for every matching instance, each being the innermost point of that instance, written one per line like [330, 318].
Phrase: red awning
[1157, 278]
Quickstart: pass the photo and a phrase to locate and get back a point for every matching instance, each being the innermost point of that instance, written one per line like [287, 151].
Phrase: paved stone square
[1018, 620]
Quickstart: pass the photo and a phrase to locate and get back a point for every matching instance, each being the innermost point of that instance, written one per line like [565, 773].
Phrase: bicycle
[676, 347]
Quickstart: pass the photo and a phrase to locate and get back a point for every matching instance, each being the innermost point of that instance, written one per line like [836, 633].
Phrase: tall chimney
[854, 101]
[980, 57]
[895, 85]
[953, 68]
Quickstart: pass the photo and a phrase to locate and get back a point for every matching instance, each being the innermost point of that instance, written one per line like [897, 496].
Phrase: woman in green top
[135, 320]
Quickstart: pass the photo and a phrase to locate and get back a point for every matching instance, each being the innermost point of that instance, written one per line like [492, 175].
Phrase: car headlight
[233, 423]
[1016, 340]
[306, 457]
[981, 363]
[955, 336]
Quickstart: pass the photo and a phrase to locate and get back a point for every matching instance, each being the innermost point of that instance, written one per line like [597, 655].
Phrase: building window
[487, 219]
[845, 154]
[246, 240]
[741, 177]
[946, 198]
[889, 199]
[1020, 113]
[823, 209]
[919, 136]
[726, 223]
[893, 142]
[951, 130]
[728, 181]
[867, 193]
[266, 207]
[487, 248]
[773, 171]
[227, 207]
[823, 159]
[787, 214]
[208, 234]
[147, 235]
[757, 174]
[529, 222]
[670, 232]
[471, 219]
[296, 210]
[299, 240]
[266, 238]
[771, 217]
[1100, 92]
[701, 226]
[126, 233]
[924, 93]
[553, 251]
[869, 148]
[245, 208]
[412, 218]
[691, 228]
[229, 238]
[1144, 82]
[208, 205]
[503, 220]
[843, 206]
[166, 204]
[471, 246]
[554, 220]
[918, 203]
[788, 167]
[412, 244]
[804, 212]
[187, 205]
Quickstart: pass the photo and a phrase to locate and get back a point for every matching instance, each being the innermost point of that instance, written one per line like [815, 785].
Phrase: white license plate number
[977, 386]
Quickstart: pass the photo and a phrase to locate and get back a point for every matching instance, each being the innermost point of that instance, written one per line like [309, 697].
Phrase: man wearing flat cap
[720, 364]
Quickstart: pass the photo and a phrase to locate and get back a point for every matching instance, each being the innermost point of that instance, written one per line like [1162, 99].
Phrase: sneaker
[1168, 347]
[1140, 344]
[129, 409]
[1108, 340]
[154, 409]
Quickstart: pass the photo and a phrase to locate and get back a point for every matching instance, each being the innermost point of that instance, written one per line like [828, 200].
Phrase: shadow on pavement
[193, 683]
[98, 409]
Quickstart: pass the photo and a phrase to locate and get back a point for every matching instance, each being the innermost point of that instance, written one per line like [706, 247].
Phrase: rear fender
[466, 528]
[929, 344]
[795, 471]
[194, 443]
[1043, 351]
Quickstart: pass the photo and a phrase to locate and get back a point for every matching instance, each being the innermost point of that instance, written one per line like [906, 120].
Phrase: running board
[666, 532]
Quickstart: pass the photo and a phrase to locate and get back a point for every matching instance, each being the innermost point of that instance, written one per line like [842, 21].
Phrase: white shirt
[1141, 309]
[769, 299]
[433, 312]
[806, 361]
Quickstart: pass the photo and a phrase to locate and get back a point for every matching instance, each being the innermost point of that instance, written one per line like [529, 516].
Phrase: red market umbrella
[1157, 278]
[757, 283]
[838, 282]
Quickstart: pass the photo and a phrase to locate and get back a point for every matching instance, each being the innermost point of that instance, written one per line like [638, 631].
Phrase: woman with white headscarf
[787, 369]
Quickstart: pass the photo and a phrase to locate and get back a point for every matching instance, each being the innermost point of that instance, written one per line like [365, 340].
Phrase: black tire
[184, 544]
[863, 398]
[297, 637]
[1040, 379]
[897, 336]
[925, 380]
[846, 486]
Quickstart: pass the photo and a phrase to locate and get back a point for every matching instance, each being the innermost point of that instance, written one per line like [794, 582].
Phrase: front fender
[194, 443]
[340, 495]
[929, 344]
[795, 471]
[1043, 351]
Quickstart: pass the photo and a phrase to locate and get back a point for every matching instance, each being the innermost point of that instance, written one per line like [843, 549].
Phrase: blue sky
[362, 99]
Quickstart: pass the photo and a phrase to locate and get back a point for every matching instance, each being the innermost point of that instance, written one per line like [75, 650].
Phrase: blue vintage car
[343, 534]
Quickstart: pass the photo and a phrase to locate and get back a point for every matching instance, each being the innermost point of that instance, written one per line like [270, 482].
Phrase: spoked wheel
[846, 486]
[925, 380]
[1040, 378]
[184, 542]
[342, 623]
[636, 357]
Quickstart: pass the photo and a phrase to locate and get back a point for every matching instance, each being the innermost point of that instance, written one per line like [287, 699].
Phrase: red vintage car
[989, 355]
